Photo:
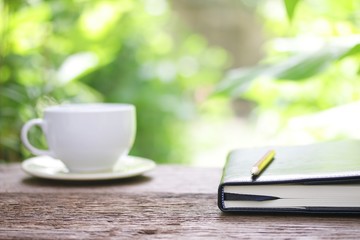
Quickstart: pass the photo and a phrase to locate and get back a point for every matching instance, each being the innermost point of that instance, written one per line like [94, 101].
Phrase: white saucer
[50, 168]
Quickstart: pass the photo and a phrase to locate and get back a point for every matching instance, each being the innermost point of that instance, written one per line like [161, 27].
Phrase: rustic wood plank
[169, 202]
[160, 215]
[164, 178]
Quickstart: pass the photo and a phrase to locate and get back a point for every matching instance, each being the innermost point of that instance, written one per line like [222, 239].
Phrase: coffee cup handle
[24, 137]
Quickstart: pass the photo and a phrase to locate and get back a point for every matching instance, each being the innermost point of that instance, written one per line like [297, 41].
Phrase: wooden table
[170, 202]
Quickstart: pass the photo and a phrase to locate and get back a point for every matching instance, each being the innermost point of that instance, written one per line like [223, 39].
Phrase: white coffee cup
[85, 137]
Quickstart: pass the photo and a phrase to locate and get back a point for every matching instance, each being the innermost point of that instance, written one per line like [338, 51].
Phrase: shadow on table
[33, 181]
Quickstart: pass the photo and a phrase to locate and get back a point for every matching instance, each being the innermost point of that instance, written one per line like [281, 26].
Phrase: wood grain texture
[171, 202]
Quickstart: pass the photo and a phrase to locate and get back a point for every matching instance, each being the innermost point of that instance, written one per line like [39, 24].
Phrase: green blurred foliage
[103, 51]
[312, 61]
[291, 7]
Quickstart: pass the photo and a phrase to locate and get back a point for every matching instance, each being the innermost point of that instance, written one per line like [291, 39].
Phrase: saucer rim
[108, 175]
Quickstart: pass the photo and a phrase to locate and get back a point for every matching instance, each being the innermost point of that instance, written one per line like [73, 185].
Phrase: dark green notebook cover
[317, 165]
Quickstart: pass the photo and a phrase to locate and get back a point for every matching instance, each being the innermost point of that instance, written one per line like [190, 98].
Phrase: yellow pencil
[262, 163]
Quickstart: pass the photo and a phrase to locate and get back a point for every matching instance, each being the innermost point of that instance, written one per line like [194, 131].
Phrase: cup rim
[89, 107]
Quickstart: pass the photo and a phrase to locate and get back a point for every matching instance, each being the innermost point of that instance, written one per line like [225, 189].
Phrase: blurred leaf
[290, 6]
[14, 93]
[303, 66]
[237, 80]
[352, 51]
[298, 67]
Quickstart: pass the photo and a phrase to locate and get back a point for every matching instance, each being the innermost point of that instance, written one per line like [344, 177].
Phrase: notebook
[316, 178]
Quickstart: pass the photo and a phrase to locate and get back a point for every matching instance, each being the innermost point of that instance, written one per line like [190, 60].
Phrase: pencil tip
[254, 171]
